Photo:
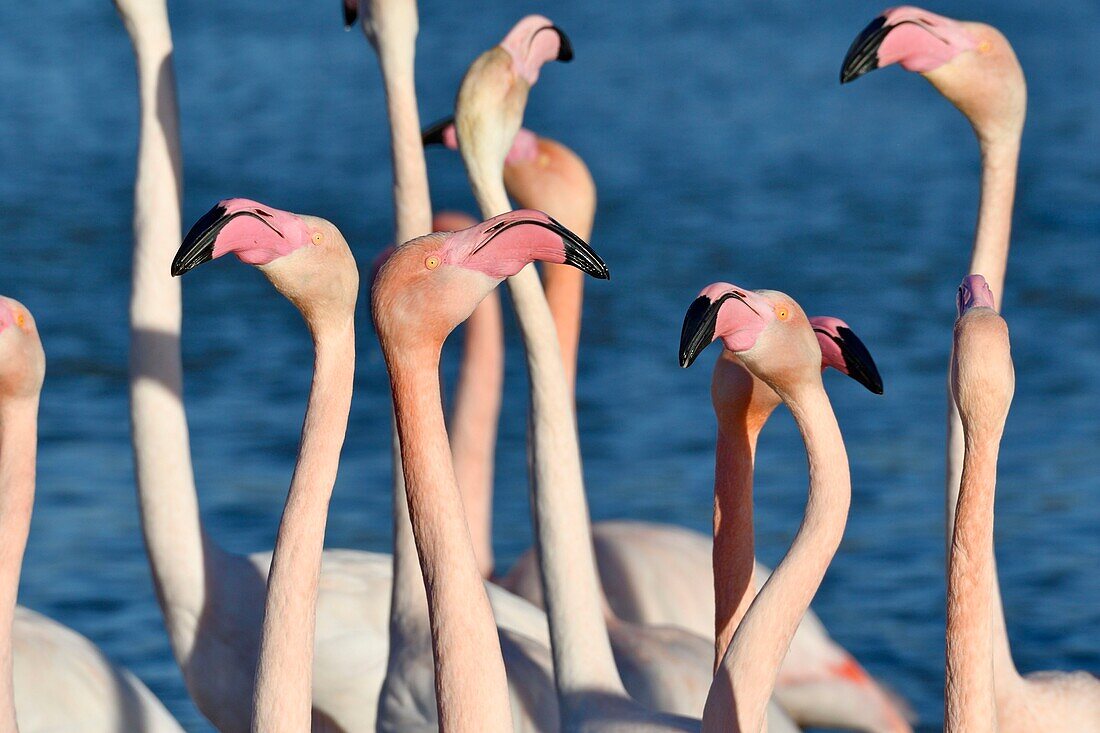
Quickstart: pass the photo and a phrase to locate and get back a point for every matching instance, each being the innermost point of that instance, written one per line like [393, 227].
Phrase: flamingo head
[305, 257]
[766, 330]
[974, 292]
[982, 376]
[493, 95]
[972, 64]
[22, 361]
[842, 350]
[437, 280]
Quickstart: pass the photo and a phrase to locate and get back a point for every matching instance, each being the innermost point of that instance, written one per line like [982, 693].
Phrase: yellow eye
[318, 237]
[985, 47]
[20, 320]
[782, 313]
[432, 262]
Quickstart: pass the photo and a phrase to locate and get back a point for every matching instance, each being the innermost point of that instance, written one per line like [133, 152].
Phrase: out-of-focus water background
[723, 148]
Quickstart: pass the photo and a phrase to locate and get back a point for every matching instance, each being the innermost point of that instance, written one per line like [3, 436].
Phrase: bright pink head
[256, 233]
[532, 42]
[723, 311]
[842, 350]
[525, 145]
[974, 292]
[914, 38]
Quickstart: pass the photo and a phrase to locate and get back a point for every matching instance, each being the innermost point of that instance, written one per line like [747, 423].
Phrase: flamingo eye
[432, 262]
[782, 313]
[318, 237]
[21, 320]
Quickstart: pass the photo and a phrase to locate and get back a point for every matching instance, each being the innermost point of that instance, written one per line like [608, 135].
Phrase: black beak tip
[433, 133]
[565, 48]
[862, 56]
[861, 365]
[698, 329]
[351, 13]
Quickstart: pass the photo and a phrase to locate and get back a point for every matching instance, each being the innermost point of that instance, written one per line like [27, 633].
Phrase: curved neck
[18, 450]
[162, 453]
[474, 419]
[583, 660]
[969, 696]
[734, 554]
[282, 699]
[1000, 158]
[471, 686]
[751, 663]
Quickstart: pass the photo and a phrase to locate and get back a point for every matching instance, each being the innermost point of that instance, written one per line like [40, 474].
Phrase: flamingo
[543, 174]
[979, 695]
[643, 563]
[51, 678]
[771, 337]
[666, 666]
[426, 288]
[975, 68]
[407, 699]
[307, 260]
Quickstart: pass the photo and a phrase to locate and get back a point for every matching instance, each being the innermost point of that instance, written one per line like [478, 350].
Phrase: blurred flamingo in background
[307, 260]
[975, 68]
[425, 289]
[979, 695]
[51, 678]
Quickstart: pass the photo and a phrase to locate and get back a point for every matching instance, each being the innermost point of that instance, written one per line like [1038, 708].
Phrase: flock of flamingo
[617, 626]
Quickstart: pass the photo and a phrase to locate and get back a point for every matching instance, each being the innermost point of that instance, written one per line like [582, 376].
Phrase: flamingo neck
[1000, 158]
[741, 417]
[411, 197]
[761, 641]
[168, 504]
[969, 692]
[282, 699]
[408, 622]
[474, 419]
[471, 686]
[18, 451]
[583, 660]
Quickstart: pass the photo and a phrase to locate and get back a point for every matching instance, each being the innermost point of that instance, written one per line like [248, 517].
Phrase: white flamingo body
[63, 682]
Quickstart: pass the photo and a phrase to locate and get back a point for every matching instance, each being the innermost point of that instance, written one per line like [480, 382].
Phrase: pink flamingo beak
[256, 233]
[525, 146]
[738, 325]
[501, 246]
[842, 350]
[917, 39]
[530, 47]
[974, 292]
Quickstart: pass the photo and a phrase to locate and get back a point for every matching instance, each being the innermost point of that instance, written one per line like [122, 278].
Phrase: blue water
[723, 148]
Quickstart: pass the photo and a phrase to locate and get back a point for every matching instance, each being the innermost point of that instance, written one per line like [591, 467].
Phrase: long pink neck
[412, 218]
[471, 686]
[474, 420]
[739, 695]
[282, 700]
[18, 450]
[170, 519]
[583, 661]
[970, 700]
[1000, 157]
[740, 420]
